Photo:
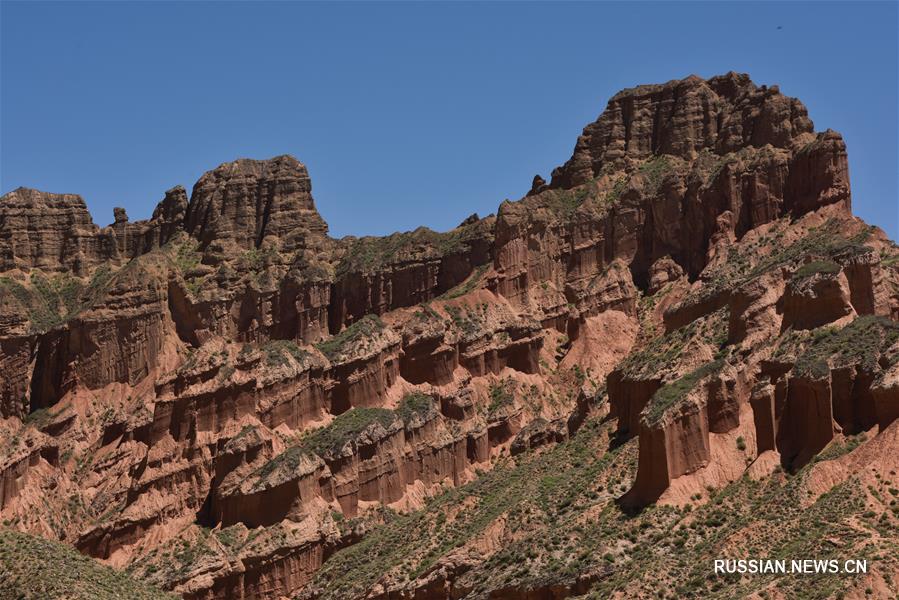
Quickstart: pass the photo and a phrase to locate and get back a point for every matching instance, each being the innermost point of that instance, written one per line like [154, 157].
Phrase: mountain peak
[682, 118]
[248, 202]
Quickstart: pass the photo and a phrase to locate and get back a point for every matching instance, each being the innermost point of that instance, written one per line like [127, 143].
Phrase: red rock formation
[270, 495]
[227, 364]
[118, 339]
[16, 348]
[681, 118]
[816, 299]
[253, 202]
[141, 237]
[19, 459]
[53, 232]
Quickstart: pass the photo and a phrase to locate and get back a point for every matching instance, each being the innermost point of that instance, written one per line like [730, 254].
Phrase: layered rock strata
[222, 397]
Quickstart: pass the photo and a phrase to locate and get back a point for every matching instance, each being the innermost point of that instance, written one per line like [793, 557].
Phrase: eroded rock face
[55, 233]
[665, 172]
[249, 202]
[227, 380]
[681, 118]
[18, 461]
[141, 237]
[16, 350]
[48, 231]
[118, 339]
[796, 370]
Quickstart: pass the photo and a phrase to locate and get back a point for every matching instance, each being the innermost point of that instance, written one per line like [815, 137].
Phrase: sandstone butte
[681, 347]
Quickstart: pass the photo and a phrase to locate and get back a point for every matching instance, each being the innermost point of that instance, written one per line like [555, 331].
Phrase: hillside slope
[32, 568]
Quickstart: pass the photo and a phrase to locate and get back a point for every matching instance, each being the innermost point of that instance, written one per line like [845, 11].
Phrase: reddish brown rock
[817, 297]
[681, 118]
[118, 339]
[53, 232]
[19, 459]
[662, 272]
[141, 237]
[16, 352]
[224, 376]
[249, 202]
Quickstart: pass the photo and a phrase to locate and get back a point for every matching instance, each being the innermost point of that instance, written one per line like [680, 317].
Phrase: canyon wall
[222, 396]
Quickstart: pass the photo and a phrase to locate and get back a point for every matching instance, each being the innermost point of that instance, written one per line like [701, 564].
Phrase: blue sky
[406, 114]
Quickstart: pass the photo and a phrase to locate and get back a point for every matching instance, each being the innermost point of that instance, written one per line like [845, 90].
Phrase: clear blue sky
[405, 114]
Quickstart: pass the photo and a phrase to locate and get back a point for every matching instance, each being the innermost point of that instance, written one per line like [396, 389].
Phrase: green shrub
[33, 568]
[286, 462]
[500, 396]
[655, 170]
[372, 253]
[468, 285]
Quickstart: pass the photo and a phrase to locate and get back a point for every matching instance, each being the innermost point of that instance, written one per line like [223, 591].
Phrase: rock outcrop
[682, 118]
[48, 231]
[223, 398]
[251, 203]
[55, 233]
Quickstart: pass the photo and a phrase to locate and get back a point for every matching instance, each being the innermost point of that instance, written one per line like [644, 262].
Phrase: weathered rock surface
[54, 232]
[49, 231]
[222, 397]
[251, 202]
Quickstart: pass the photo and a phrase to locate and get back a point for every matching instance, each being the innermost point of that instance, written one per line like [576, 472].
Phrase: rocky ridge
[226, 402]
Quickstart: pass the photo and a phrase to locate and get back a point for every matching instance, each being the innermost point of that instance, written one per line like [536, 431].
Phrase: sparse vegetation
[840, 448]
[277, 351]
[243, 433]
[345, 427]
[663, 352]
[33, 568]
[415, 405]
[370, 253]
[257, 259]
[285, 463]
[187, 254]
[613, 195]
[52, 300]
[468, 285]
[559, 522]
[827, 245]
[655, 170]
[862, 343]
[500, 397]
[468, 320]
[360, 331]
[565, 202]
[487, 477]
[41, 416]
[670, 395]
[411, 544]
[817, 267]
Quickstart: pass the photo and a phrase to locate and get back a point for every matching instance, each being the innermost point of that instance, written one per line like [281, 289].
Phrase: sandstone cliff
[230, 403]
